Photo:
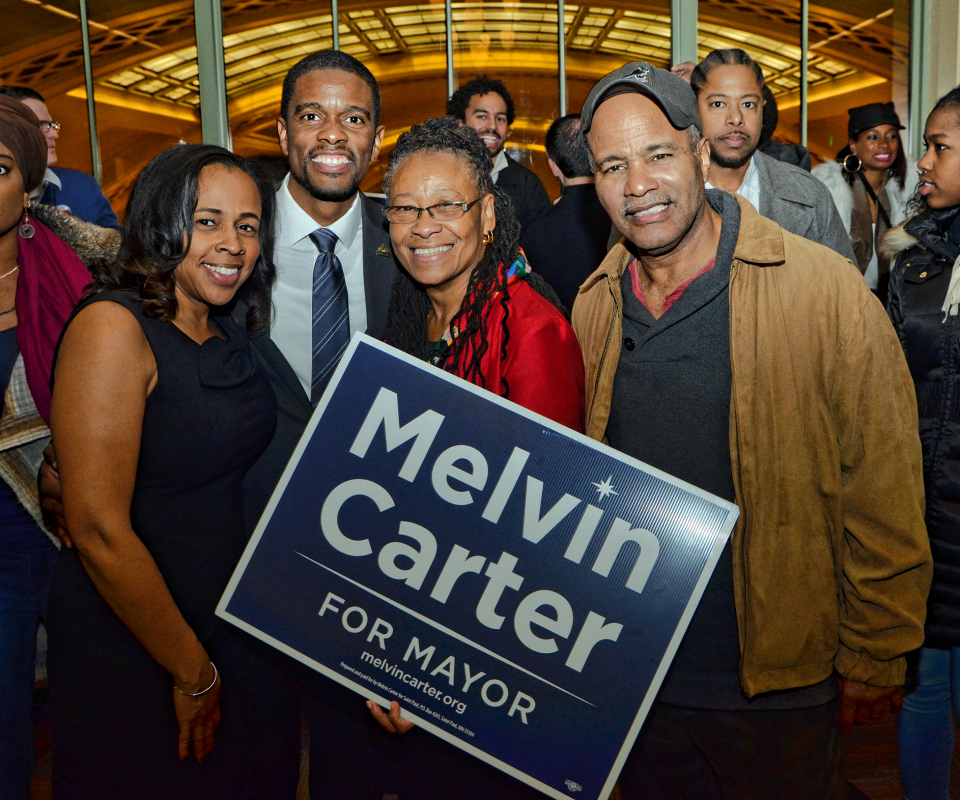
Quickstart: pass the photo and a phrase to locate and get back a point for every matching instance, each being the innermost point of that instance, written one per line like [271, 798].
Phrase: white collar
[751, 178]
[51, 177]
[294, 224]
[499, 163]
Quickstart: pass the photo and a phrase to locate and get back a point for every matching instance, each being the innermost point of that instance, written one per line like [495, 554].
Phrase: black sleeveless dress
[210, 416]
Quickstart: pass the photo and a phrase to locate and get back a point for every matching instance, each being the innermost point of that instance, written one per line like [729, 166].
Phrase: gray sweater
[671, 409]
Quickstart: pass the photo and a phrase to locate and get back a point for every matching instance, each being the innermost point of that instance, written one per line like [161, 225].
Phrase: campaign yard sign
[519, 588]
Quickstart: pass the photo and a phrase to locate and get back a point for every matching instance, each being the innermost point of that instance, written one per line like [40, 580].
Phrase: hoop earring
[851, 164]
[488, 238]
[26, 229]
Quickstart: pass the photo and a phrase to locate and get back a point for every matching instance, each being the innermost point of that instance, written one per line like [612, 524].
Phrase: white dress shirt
[750, 187]
[295, 254]
[500, 163]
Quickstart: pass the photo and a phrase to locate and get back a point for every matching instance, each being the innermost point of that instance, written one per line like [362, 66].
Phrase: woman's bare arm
[104, 373]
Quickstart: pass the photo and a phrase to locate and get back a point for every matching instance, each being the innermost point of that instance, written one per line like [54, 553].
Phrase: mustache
[741, 134]
[647, 201]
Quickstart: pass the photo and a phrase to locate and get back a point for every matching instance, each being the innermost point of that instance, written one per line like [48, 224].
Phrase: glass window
[859, 54]
[516, 42]
[601, 38]
[145, 87]
[43, 52]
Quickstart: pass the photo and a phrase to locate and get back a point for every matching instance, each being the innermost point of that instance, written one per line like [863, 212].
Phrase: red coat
[543, 365]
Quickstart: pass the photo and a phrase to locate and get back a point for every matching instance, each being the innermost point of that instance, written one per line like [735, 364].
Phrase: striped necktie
[331, 317]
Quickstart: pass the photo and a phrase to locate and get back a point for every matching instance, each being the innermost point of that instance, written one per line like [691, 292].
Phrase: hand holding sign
[509, 585]
[392, 722]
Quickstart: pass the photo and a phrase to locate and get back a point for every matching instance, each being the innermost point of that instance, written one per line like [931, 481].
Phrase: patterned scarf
[52, 280]
[517, 271]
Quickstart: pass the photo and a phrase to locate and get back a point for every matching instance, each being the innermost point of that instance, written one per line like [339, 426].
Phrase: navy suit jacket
[293, 405]
[80, 195]
[567, 243]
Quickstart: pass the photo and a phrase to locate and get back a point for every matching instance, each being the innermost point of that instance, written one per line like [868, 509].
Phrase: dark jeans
[693, 754]
[24, 585]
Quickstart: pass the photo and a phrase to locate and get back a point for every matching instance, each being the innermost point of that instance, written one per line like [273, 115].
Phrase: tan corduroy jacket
[830, 556]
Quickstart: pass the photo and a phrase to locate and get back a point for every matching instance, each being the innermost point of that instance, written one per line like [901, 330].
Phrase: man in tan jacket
[756, 365]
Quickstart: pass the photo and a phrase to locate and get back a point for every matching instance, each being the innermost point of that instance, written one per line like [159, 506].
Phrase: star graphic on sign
[605, 488]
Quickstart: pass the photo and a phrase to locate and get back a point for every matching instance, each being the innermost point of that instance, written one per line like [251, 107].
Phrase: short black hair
[460, 100]
[329, 59]
[21, 93]
[719, 58]
[566, 149]
[157, 232]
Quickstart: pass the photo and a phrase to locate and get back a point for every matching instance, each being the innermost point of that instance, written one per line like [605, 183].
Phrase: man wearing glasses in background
[70, 190]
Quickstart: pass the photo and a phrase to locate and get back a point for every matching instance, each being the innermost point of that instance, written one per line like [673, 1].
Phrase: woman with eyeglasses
[467, 301]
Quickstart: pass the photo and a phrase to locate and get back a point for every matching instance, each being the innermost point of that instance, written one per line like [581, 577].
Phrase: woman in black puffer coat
[924, 304]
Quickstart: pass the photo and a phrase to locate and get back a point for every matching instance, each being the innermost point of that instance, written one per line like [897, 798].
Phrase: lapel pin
[383, 250]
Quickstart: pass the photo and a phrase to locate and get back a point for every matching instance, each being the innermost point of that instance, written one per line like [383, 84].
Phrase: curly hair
[409, 304]
[459, 101]
[158, 231]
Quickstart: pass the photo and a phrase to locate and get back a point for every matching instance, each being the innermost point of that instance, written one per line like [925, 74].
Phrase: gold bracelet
[197, 694]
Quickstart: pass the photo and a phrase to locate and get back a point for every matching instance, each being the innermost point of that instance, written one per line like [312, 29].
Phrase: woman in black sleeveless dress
[158, 411]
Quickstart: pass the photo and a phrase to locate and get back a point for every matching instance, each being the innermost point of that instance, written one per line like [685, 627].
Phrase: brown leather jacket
[831, 558]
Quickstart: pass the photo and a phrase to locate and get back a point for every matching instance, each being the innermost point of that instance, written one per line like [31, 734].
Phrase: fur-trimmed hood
[831, 176]
[96, 246]
[895, 241]
[930, 229]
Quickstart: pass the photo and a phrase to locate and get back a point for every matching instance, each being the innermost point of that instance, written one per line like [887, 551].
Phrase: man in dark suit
[486, 106]
[329, 129]
[566, 243]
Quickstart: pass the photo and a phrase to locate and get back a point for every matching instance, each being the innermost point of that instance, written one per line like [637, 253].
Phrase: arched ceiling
[147, 49]
[144, 54]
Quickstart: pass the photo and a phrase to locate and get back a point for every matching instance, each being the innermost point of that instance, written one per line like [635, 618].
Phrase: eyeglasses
[46, 124]
[445, 212]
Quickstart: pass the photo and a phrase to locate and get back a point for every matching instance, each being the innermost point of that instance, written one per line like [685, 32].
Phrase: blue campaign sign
[519, 588]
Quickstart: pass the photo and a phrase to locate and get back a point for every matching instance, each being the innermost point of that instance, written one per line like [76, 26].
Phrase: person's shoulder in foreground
[81, 195]
[791, 187]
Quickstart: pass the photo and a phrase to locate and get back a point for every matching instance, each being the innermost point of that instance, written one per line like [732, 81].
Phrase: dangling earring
[851, 164]
[26, 229]
[488, 238]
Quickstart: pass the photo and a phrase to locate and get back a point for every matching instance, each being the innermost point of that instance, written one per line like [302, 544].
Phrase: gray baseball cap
[671, 92]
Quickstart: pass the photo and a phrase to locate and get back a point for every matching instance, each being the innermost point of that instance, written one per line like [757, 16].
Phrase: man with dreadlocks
[468, 301]
[729, 88]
